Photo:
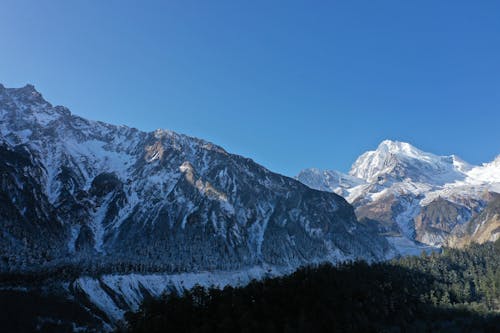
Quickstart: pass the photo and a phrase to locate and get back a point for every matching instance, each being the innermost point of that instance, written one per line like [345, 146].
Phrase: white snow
[412, 176]
[98, 296]
[74, 232]
[129, 286]
[389, 154]
[259, 227]
[407, 247]
[405, 218]
[101, 158]
[24, 135]
[97, 223]
[488, 172]
[329, 180]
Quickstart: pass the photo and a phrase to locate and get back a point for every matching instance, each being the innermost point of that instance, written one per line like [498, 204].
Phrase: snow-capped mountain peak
[399, 147]
[28, 93]
[397, 161]
[408, 191]
[388, 154]
[460, 164]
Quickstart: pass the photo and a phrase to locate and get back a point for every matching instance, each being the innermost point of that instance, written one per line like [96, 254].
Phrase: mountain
[395, 161]
[121, 214]
[406, 192]
[329, 180]
[482, 228]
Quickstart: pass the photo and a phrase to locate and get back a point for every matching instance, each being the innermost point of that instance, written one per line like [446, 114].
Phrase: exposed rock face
[403, 190]
[79, 190]
[151, 211]
[482, 228]
[436, 220]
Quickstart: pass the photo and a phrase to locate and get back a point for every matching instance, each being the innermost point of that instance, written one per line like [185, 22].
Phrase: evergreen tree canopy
[452, 291]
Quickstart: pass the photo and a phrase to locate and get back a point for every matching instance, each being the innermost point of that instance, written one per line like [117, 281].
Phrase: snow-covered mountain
[395, 161]
[329, 180]
[88, 198]
[407, 192]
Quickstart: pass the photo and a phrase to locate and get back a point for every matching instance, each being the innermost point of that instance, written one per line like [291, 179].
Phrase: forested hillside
[454, 291]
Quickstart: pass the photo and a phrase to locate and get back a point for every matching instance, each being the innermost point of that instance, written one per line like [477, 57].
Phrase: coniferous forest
[452, 291]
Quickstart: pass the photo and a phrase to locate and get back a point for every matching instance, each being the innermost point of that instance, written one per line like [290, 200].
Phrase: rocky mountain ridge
[418, 195]
[118, 212]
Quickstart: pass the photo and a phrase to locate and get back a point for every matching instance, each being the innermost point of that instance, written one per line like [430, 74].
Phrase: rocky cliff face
[100, 198]
[73, 188]
[417, 195]
[438, 219]
[483, 228]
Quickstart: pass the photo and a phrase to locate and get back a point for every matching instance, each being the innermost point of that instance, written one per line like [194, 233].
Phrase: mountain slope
[98, 189]
[87, 197]
[396, 161]
[329, 180]
[418, 195]
[482, 228]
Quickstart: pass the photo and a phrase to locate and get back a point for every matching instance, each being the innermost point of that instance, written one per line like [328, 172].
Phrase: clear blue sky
[291, 84]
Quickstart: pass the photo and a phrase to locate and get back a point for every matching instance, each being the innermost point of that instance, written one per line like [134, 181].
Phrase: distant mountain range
[405, 192]
[110, 214]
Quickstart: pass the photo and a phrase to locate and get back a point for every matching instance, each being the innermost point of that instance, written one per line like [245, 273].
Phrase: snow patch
[406, 247]
[131, 286]
[74, 232]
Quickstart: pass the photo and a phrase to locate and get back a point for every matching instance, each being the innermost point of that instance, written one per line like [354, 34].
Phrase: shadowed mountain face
[410, 193]
[438, 219]
[77, 190]
[106, 215]
[482, 228]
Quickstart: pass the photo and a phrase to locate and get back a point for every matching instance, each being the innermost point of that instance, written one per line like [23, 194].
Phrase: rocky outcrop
[483, 228]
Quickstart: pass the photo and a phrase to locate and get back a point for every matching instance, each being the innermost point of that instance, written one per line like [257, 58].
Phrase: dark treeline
[35, 311]
[68, 271]
[455, 291]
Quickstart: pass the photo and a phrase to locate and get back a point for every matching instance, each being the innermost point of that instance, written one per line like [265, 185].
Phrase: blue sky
[291, 84]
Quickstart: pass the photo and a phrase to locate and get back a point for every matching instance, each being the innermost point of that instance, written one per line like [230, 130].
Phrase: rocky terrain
[417, 196]
[482, 228]
[110, 214]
